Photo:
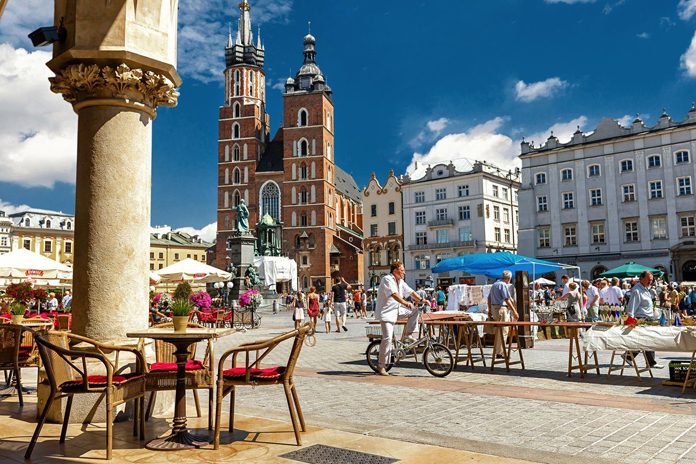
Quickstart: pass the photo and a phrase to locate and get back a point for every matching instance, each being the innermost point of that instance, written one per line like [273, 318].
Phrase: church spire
[230, 42]
[245, 32]
[242, 49]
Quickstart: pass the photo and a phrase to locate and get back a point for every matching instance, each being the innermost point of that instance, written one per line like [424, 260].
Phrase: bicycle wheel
[438, 360]
[372, 355]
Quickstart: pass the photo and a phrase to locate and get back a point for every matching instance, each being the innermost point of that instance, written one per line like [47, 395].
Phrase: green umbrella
[630, 270]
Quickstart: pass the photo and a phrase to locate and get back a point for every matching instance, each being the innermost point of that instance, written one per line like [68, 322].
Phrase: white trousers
[385, 348]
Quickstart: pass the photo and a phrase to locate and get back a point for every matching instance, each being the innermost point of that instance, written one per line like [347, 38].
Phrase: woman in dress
[574, 311]
[298, 314]
[313, 308]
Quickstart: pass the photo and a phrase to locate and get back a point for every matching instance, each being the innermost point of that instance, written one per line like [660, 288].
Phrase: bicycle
[310, 338]
[437, 358]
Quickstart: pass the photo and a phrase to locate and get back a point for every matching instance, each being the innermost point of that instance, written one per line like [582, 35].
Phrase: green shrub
[183, 291]
[181, 307]
[18, 309]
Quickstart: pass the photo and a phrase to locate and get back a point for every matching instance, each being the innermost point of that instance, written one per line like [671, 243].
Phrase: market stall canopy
[190, 270]
[23, 264]
[273, 269]
[630, 269]
[493, 264]
[543, 281]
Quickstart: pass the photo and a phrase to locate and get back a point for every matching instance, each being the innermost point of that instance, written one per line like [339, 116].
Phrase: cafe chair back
[247, 371]
[71, 371]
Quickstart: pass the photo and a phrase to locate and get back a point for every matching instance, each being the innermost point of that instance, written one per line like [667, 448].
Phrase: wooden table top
[581, 325]
[192, 333]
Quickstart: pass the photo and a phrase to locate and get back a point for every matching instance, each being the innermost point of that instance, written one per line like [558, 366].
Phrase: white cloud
[207, 233]
[9, 208]
[569, 2]
[488, 142]
[203, 27]
[626, 120]
[543, 89]
[437, 125]
[22, 17]
[643, 35]
[38, 132]
[688, 59]
[686, 9]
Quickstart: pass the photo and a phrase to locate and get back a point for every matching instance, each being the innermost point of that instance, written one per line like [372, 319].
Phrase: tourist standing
[502, 307]
[339, 303]
[640, 306]
[613, 296]
[313, 308]
[52, 305]
[67, 301]
[592, 294]
[357, 303]
[363, 303]
[440, 299]
[573, 311]
[298, 313]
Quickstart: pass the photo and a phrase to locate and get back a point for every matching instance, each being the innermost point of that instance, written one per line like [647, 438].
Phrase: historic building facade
[453, 210]
[49, 233]
[292, 176]
[384, 236]
[614, 195]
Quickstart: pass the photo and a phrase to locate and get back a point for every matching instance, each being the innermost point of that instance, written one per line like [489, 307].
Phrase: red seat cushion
[267, 373]
[191, 365]
[25, 351]
[99, 381]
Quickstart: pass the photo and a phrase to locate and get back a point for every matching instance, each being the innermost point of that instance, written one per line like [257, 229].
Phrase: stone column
[116, 66]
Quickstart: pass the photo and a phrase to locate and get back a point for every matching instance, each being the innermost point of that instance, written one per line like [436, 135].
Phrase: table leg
[496, 334]
[574, 332]
[180, 437]
[688, 372]
[469, 342]
[570, 356]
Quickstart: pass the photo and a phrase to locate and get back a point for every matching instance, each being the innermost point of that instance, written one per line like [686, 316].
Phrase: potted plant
[181, 308]
[18, 310]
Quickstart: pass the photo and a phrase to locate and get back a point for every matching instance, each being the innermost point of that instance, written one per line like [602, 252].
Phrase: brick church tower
[292, 177]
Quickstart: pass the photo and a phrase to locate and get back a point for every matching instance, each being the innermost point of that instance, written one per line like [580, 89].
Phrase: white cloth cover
[650, 338]
[275, 269]
[468, 295]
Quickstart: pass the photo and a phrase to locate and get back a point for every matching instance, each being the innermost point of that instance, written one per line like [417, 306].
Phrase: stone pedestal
[241, 254]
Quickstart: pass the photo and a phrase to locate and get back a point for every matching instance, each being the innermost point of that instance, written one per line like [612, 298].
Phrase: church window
[297, 237]
[303, 196]
[226, 220]
[227, 153]
[251, 83]
[294, 223]
[237, 198]
[328, 150]
[235, 131]
[246, 174]
[303, 171]
[294, 195]
[303, 219]
[304, 148]
[226, 202]
[314, 170]
[227, 176]
[302, 118]
[313, 194]
[235, 153]
[236, 176]
[328, 120]
[270, 200]
[237, 110]
[294, 171]
[237, 81]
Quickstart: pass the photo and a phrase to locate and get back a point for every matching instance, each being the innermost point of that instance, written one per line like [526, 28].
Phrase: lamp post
[228, 289]
[218, 286]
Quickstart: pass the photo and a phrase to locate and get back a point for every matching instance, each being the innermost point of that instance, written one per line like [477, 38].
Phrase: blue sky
[412, 80]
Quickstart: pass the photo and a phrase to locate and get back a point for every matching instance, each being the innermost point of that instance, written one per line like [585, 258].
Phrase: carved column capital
[90, 84]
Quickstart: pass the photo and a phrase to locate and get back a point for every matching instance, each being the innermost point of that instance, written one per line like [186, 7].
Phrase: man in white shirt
[392, 305]
[564, 281]
[613, 295]
[592, 294]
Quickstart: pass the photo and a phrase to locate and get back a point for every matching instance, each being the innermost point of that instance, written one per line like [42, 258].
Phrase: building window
[440, 194]
[442, 236]
[304, 148]
[540, 178]
[595, 197]
[392, 207]
[302, 118]
[506, 216]
[495, 191]
[68, 225]
[48, 223]
[421, 238]
[303, 220]
[251, 83]
[681, 157]
[496, 231]
[688, 226]
[235, 131]
[3, 241]
[374, 230]
[684, 185]
[161, 256]
[504, 191]
[420, 217]
[593, 170]
[631, 231]
[542, 204]
[629, 193]
[441, 214]
[237, 110]
[658, 228]
[422, 262]
[375, 255]
[496, 213]
[373, 210]
[566, 174]
[303, 171]
[176, 256]
[235, 153]
[236, 176]
[391, 228]
[598, 232]
[465, 234]
[420, 197]
[464, 213]
[569, 236]
[27, 244]
[568, 200]
[463, 191]
[654, 161]
[655, 189]
[303, 196]
[48, 246]
[544, 236]
[27, 222]
[507, 235]
[270, 200]
[626, 165]
[236, 198]
[68, 249]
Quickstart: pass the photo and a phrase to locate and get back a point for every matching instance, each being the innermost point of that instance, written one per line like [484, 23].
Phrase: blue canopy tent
[493, 264]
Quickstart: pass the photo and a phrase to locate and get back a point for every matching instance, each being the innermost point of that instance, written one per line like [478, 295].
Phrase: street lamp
[227, 292]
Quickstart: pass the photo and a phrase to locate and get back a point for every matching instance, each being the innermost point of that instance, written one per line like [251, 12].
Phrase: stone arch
[303, 147]
[302, 117]
[235, 152]
[597, 270]
[236, 110]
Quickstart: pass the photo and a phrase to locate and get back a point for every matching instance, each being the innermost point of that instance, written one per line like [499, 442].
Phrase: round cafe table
[180, 438]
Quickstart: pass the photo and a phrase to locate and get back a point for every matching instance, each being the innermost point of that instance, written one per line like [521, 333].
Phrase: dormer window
[68, 225]
[566, 174]
[47, 224]
[27, 222]
[302, 117]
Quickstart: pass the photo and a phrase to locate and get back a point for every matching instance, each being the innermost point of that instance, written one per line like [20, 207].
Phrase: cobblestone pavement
[537, 414]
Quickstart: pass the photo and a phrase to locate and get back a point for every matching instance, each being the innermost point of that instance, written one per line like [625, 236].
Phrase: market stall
[276, 269]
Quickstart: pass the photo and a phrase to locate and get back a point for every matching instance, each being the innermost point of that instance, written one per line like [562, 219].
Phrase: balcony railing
[431, 246]
[441, 222]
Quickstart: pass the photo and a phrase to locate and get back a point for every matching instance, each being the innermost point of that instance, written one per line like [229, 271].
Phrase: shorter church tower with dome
[293, 177]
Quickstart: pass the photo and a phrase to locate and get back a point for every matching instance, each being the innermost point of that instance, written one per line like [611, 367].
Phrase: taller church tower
[243, 126]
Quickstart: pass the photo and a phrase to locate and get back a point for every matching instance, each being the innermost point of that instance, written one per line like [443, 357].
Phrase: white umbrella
[190, 270]
[154, 278]
[543, 281]
[25, 264]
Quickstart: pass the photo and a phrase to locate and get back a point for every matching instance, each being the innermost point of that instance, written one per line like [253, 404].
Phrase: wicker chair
[63, 321]
[15, 354]
[66, 369]
[250, 374]
[161, 376]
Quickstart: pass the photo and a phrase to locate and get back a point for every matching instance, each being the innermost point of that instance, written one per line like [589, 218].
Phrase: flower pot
[17, 318]
[180, 323]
